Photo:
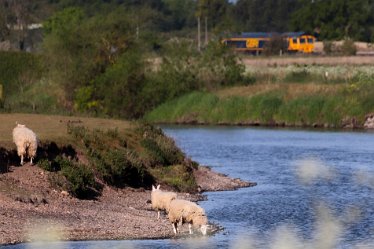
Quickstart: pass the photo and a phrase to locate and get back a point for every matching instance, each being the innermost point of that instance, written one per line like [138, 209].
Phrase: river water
[315, 189]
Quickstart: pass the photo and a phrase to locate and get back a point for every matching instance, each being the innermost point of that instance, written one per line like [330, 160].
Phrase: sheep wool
[161, 200]
[26, 142]
[187, 212]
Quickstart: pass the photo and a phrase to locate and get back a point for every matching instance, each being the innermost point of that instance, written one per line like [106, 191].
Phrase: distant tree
[264, 15]
[180, 13]
[4, 30]
[336, 19]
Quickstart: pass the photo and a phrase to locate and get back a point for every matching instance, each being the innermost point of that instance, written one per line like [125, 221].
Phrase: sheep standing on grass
[26, 142]
[161, 200]
[187, 212]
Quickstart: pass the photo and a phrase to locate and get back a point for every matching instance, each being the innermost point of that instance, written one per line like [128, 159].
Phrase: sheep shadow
[7, 159]
[50, 150]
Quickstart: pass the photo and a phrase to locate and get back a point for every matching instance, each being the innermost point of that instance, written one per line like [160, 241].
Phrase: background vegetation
[122, 59]
[291, 96]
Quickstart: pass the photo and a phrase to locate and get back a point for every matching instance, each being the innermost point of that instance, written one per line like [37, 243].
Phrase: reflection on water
[315, 189]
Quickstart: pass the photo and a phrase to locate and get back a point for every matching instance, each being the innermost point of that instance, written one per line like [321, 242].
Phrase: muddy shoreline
[32, 210]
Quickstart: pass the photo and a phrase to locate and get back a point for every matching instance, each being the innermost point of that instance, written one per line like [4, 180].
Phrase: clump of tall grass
[304, 106]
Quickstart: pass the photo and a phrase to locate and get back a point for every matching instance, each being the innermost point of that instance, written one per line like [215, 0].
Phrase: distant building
[23, 38]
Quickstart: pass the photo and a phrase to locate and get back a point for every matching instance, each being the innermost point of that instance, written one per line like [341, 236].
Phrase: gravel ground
[32, 210]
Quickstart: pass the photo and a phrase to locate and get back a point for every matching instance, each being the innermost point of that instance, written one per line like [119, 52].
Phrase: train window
[294, 40]
[302, 40]
[310, 40]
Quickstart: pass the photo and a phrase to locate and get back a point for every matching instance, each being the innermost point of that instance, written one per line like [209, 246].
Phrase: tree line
[122, 58]
[330, 19]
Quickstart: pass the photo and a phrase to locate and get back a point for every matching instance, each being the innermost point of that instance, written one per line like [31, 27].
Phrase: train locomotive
[256, 42]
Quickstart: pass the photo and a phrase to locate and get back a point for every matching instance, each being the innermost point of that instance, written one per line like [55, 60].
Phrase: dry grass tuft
[291, 90]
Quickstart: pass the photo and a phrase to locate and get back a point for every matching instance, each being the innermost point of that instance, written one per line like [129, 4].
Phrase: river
[315, 189]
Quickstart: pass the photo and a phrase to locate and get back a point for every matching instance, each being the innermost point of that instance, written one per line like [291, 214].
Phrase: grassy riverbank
[91, 178]
[278, 101]
[82, 154]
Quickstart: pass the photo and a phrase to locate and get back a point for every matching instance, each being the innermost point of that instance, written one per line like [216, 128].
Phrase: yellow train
[256, 42]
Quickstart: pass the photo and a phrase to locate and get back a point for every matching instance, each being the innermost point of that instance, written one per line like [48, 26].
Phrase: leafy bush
[161, 149]
[78, 179]
[108, 153]
[18, 71]
[180, 177]
[348, 47]
[328, 47]
[81, 179]
[117, 169]
[49, 166]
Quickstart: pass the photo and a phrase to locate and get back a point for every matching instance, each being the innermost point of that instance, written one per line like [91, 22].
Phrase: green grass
[271, 104]
[53, 127]
[84, 153]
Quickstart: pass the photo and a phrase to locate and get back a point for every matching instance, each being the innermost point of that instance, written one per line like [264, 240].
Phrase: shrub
[49, 166]
[348, 47]
[117, 169]
[80, 180]
[161, 149]
[180, 177]
[328, 47]
[18, 70]
[108, 153]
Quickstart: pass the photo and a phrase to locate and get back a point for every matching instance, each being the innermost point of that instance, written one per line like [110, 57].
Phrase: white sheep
[26, 142]
[187, 212]
[161, 200]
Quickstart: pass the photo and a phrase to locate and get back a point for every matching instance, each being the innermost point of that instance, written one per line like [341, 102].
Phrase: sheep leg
[203, 229]
[175, 227]
[21, 159]
[190, 228]
[31, 160]
[158, 214]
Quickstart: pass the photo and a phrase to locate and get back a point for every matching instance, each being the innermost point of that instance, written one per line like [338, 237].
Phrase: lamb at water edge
[187, 212]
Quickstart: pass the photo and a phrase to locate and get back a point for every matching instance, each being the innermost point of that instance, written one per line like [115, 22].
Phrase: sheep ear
[153, 188]
[158, 186]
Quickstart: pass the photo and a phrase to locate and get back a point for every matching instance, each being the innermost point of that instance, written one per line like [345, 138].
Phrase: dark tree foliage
[264, 15]
[336, 19]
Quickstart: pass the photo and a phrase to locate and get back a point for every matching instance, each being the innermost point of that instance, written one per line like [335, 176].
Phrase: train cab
[255, 42]
[300, 42]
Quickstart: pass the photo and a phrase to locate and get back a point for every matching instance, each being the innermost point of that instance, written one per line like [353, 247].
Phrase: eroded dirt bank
[32, 209]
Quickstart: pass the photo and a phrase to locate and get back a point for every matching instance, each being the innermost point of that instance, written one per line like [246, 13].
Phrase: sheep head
[155, 188]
